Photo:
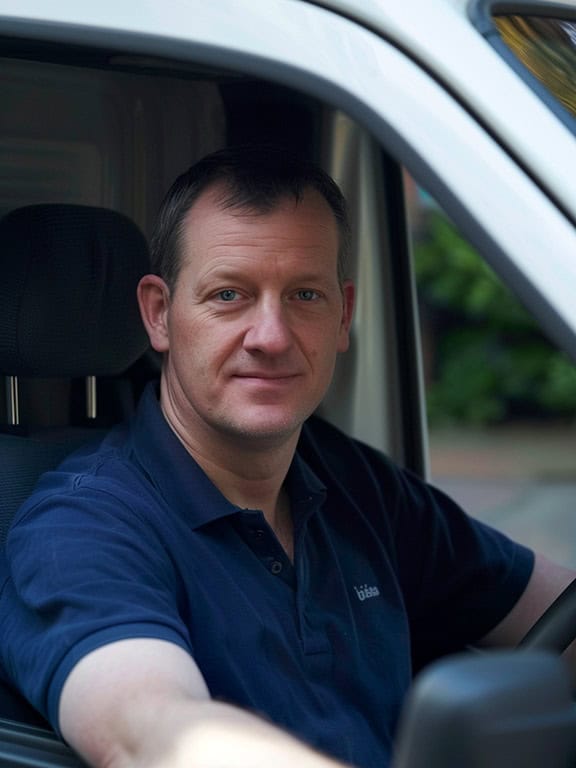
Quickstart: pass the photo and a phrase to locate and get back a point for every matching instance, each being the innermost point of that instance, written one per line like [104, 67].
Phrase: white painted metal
[439, 34]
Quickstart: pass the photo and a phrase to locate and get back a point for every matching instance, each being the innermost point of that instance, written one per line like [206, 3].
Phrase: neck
[250, 479]
[250, 472]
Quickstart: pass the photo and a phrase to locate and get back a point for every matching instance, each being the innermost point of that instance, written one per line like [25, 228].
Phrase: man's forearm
[215, 735]
[207, 734]
[144, 703]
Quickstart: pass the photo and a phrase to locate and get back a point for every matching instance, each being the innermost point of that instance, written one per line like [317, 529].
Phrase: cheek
[202, 345]
[325, 340]
[321, 352]
[185, 328]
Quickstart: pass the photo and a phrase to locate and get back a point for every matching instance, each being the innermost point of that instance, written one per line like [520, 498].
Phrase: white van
[103, 104]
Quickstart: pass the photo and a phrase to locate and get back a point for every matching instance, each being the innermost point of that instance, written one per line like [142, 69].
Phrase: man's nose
[269, 330]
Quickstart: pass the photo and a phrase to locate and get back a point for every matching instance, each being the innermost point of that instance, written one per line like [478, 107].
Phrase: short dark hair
[255, 179]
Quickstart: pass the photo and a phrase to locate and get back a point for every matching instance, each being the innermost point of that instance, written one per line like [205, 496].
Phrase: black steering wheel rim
[556, 628]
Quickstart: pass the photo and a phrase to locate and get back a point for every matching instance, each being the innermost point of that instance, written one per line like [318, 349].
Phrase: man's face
[256, 318]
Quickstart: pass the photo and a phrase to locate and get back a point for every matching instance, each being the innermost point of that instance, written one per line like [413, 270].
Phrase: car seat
[68, 317]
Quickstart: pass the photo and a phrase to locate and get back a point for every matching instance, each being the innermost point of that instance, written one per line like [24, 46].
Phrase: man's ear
[154, 301]
[348, 295]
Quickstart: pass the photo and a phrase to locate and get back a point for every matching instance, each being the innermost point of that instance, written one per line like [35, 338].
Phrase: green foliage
[490, 359]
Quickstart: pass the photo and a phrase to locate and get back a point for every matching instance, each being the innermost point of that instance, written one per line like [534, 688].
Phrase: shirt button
[258, 533]
[276, 567]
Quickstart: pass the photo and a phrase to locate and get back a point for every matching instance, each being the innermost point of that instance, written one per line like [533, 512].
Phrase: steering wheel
[459, 705]
[556, 628]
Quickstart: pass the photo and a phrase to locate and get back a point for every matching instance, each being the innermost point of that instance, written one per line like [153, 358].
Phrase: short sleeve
[83, 571]
[459, 577]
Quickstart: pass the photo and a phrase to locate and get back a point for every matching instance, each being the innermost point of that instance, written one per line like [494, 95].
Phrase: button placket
[263, 543]
[315, 643]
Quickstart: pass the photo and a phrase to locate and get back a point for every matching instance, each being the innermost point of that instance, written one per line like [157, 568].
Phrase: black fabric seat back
[68, 291]
[68, 310]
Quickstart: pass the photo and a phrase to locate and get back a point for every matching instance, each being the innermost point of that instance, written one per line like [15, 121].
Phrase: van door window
[500, 397]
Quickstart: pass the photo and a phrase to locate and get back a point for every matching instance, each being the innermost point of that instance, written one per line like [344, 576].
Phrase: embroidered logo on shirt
[364, 592]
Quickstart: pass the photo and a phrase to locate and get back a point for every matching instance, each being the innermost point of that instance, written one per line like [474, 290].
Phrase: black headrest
[68, 277]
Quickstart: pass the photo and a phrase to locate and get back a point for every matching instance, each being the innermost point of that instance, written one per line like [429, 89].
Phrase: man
[226, 559]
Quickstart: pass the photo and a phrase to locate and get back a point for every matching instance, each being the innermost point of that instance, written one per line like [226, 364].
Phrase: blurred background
[501, 398]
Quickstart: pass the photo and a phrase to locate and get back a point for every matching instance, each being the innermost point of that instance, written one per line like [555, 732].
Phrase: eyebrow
[226, 272]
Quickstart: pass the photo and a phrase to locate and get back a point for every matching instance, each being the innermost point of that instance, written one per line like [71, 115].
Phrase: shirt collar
[181, 481]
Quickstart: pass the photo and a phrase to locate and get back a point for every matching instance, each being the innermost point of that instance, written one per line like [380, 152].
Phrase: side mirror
[506, 709]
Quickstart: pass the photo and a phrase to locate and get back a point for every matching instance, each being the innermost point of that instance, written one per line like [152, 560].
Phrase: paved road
[521, 480]
[539, 514]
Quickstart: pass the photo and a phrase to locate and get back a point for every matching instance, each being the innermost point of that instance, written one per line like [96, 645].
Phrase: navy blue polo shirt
[131, 539]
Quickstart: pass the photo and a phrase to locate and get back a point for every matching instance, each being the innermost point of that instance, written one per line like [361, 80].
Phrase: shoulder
[358, 476]
[95, 483]
[96, 460]
[414, 507]
[321, 438]
[337, 457]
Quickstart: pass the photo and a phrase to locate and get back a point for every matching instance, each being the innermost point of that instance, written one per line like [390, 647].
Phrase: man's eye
[227, 295]
[307, 295]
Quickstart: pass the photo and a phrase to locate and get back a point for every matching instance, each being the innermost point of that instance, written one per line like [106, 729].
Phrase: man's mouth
[266, 375]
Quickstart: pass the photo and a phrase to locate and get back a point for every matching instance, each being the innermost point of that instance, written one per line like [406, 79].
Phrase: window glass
[547, 48]
[501, 399]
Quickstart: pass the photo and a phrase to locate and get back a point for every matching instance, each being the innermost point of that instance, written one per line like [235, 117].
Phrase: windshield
[547, 48]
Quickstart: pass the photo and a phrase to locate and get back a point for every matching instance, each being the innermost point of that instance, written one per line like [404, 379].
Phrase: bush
[490, 361]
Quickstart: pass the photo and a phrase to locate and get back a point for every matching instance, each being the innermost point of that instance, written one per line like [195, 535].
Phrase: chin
[267, 429]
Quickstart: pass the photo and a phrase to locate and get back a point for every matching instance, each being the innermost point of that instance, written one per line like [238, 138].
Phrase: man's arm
[145, 703]
[546, 583]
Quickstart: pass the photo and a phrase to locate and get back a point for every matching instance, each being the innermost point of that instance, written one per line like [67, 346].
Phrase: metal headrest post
[91, 397]
[12, 401]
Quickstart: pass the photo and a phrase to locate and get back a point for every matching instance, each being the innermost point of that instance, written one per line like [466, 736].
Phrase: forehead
[306, 226]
